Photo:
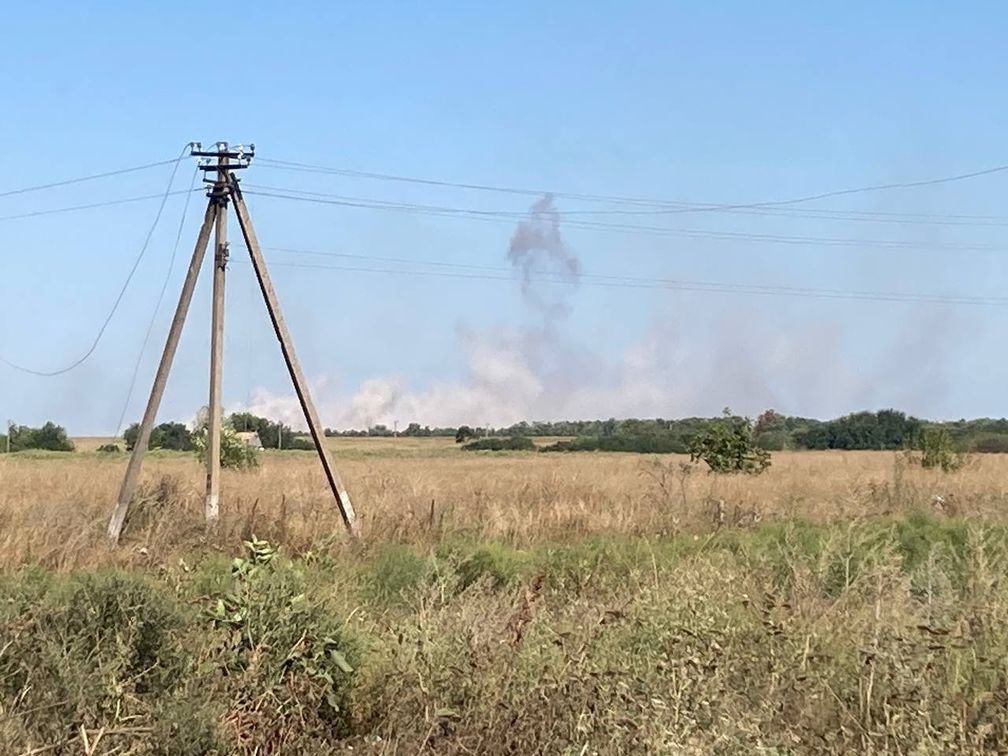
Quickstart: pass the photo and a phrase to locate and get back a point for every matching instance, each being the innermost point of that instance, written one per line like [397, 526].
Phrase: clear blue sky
[709, 102]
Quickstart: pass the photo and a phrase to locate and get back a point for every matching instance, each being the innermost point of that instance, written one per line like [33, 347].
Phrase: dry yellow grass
[53, 509]
[876, 637]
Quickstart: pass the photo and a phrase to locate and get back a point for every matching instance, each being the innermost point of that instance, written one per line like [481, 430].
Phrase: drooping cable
[122, 291]
[157, 305]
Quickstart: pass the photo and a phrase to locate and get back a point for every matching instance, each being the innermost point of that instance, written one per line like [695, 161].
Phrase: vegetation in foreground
[884, 636]
[512, 603]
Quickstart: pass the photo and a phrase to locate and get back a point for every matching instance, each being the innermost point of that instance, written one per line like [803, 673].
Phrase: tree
[727, 447]
[171, 436]
[235, 454]
[463, 434]
[50, 437]
[271, 435]
[937, 451]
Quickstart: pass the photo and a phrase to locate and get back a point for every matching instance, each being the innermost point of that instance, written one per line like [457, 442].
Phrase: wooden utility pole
[293, 366]
[161, 379]
[224, 161]
[218, 195]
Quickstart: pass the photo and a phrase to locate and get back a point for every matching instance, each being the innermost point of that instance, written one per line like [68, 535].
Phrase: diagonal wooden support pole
[161, 379]
[287, 347]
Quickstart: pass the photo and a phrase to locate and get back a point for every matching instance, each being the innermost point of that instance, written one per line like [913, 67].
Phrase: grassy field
[506, 603]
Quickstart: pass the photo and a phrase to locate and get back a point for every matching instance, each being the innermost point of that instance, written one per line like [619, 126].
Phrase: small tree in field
[727, 446]
[938, 451]
[235, 454]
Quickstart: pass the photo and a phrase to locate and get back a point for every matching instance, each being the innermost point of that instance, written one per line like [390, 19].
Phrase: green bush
[727, 447]
[108, 449]
[287, 663]
[87, 650]
[514, 443]
[937, 450]
[235, 454]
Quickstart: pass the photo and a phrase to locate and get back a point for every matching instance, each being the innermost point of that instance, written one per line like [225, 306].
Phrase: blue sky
[706, 102]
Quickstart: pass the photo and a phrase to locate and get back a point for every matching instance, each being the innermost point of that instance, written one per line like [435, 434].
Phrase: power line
[67, 182]
[669, 206]
[499, 273]
[666, 207]
[122, 291]
[510, 216]
[90, 206]
[157, 305]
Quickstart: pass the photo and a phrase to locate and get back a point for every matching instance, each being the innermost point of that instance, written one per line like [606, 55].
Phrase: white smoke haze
[691, 361]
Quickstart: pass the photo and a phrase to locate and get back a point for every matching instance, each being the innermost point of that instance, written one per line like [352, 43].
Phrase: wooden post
[164, 367]
[219, 195]
[287, 347]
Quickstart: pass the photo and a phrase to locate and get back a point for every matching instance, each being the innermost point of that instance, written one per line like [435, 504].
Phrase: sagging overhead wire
[92, 177]
[500, 273]
[157, 304]
[511, 216]
[122, 291]
[91, 206]
[666, 206]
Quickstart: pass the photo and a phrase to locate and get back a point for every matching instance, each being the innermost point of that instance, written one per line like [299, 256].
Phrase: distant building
[251, 438]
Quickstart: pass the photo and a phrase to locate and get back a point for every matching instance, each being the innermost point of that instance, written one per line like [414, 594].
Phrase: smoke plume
[538, 254]
[698, 356]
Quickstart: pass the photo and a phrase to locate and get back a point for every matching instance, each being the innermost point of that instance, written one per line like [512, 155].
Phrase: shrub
[87, 650]
[286, 661]
[727, 447]
[514, 443]
[109, 449]
[937, 450]
[235, 454]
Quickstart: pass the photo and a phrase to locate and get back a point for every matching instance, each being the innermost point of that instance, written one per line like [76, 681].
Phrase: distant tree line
[772, 431]
[178, 436]
[413, 430]
[883, 430]
[49, 437]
